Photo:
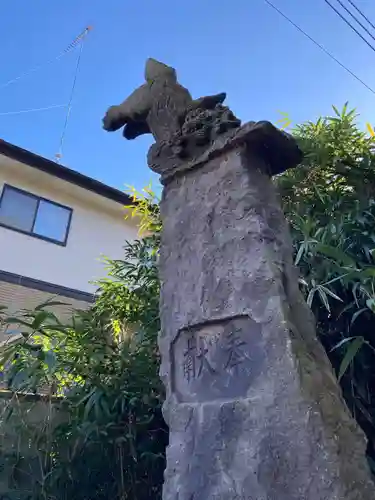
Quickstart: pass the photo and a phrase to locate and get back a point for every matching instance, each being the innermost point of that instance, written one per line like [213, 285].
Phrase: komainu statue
[184, 128]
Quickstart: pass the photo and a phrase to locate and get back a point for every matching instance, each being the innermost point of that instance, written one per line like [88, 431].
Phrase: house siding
[98, 228]
[16, 297]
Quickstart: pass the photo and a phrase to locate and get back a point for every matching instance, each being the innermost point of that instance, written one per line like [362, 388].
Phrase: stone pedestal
[254, 410]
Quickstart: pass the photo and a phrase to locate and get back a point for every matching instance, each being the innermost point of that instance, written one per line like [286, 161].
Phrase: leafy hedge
[105, 365]
[330, 203]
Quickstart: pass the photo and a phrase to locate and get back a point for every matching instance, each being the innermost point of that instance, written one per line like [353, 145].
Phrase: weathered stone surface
[218, 361]
[254, 410]
[166, 109]
[189, 132]
[278, 149]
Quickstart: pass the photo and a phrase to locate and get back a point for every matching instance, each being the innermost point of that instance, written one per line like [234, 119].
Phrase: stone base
[277, 148]
[254, 410]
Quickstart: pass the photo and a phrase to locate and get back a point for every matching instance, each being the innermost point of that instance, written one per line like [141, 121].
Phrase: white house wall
[98, 227]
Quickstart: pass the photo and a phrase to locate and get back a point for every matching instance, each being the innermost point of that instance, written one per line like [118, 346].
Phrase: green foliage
[129, 296]
[105, 365]
[330, 204]
[145, 209]
[338, 169]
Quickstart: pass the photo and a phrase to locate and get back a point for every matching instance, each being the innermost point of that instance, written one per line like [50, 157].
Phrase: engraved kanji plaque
[216, 360]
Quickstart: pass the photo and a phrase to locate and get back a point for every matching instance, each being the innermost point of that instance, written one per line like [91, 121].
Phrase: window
[33, 215]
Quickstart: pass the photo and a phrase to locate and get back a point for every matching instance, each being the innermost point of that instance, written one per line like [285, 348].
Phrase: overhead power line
[356, 19]
[320, 46]
[349, 23]
[33, 110]
[361, 13]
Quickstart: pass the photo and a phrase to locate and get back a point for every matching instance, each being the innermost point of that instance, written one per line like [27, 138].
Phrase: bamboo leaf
[324, 298]
[370, 129]
[300, 253]
[85, 397]
[50, 360]
[39, 319]
[335, 253]
[16, 321]
[6, 355]
[341, 343]
[310, 297]
[367, 272]
[50, 303]
[329, 292]
[370, 303]
[302, 281]
[350, 354]
[89, 404]
[316, 189]
[356, 314]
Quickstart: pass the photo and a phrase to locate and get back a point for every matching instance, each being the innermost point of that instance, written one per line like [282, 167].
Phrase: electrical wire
[32, 70]
[68, 49]
[350, 24]
[361, 13]
[33, 109]
[356, 19]
[320, 46]
[59, 154]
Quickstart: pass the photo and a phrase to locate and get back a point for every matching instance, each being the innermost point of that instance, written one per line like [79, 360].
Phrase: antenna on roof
[68, 49]
[80, 39]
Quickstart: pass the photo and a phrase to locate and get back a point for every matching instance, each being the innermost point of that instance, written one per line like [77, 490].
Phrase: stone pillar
[254, 410]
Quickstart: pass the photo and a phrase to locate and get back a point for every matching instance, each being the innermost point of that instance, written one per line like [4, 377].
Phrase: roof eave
[64, 173]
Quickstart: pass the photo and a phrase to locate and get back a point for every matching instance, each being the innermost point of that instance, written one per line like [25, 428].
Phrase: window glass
[33, 215]
[17, 209]
[51, 221]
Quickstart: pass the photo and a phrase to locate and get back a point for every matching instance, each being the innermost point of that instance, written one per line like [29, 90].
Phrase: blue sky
[242, 47]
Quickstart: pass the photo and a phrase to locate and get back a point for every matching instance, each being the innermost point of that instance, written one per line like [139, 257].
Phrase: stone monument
[254, 409]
